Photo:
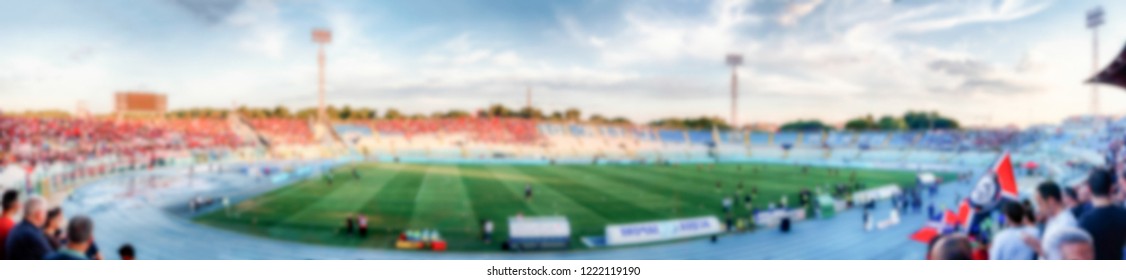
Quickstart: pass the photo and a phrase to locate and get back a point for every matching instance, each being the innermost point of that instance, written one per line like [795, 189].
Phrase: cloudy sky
[985, 62]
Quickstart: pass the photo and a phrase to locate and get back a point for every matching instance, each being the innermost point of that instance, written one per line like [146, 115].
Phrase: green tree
[861, 123]
[306, 113]
[531, 113]
[363, 113]
[621, 121]
[454, 114]
[573, 114]
[345, 113]
[498, 110]
[804, 125]
[596, 118]
[281, 112]
[556, 116]
[892, 123]
[393, 114]
[692, 123]
[928, 120]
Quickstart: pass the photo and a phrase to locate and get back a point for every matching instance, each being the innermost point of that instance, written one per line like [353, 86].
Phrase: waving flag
[964, 214]
[1003, 172]
[925, 234]
[997, 184]
[949, 220]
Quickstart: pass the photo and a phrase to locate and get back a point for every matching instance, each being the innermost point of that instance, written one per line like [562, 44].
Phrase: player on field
[527, 191]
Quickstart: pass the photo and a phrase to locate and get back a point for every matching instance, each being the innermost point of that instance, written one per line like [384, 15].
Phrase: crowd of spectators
[282, 131]
[203, 132]
[40, 234]
[49, 140]
[1082, 222]
[484, 130]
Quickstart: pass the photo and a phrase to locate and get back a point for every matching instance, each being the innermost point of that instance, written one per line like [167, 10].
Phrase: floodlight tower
[1094, 20]
[322, 37]
[734, 61]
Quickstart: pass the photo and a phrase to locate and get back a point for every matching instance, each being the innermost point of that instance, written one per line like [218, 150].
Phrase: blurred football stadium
[324, 181]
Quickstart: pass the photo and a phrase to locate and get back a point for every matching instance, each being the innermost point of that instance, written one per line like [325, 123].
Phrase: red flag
[964, 213]
[925, 235]
[1003, 171]
[950, 218]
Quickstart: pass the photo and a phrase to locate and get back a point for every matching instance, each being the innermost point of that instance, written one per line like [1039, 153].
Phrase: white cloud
[508, 58]
[797, 10]
[858, 51]
[651, 38]
[264, 32]
[980, 12]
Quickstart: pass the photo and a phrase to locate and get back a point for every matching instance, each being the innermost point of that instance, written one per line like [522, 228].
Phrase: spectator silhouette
[27, 241]
[1106, 220]
[127, 252]
[79, 237]
[11, 206]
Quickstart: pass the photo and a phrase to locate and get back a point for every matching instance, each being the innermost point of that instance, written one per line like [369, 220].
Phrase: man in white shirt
[1049, 201]
[1009, 243]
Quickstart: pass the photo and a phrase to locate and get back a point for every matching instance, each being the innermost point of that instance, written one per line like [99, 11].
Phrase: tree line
[696, 123]
[911, 120]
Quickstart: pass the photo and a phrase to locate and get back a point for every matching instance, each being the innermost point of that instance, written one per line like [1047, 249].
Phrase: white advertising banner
[539, 227]
[877, 193]
[662, 230]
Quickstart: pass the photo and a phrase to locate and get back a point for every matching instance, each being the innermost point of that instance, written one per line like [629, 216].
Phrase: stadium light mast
[1094, 20]
[734, 61]
[322, 37]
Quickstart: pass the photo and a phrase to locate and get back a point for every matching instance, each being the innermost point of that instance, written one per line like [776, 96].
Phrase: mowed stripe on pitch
[323, 218]
[771, 187]
[259, 214]
[607, 199]
[791, 176]
[490, 199]
[389, 211]
[548, 201]
[676, 193]
[442, 204]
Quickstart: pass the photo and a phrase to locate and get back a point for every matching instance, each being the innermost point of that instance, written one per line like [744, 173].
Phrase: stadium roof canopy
[1114, 74]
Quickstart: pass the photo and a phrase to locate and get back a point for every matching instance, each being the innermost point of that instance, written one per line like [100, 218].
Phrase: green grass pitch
[454, 198]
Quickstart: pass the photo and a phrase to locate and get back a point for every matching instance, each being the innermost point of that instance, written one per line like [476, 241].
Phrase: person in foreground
[1075, 244]
[1009, 243]
[952, 247]
[11, 206]
[79, 235]
[1049, 200]
[127, 252]
[27, 241]
[1105, 221]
